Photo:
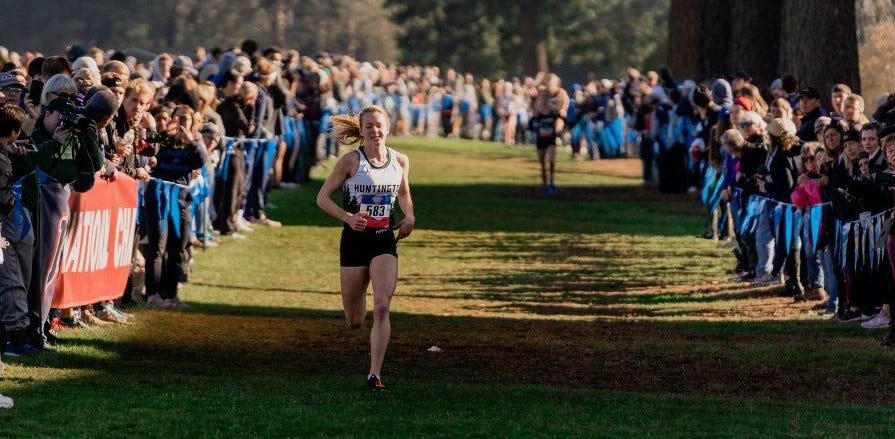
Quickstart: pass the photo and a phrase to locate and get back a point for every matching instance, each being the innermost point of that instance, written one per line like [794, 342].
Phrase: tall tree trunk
[541, 56]
[684, 22]
[351, 32]
[821, 45]
[282, 20]
[714, 31]
[755, 39]
[533, 40]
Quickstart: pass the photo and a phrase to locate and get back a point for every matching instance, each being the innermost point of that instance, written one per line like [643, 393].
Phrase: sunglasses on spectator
[745, 124]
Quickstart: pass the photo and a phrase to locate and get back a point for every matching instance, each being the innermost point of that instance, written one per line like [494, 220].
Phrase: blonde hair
[734, 140]
[857, 99]
[86, 78]
[141, 87]
[248, 89]
[885, 141]
[750, 91]
[784, 104]
[346, 128]
[207, 93]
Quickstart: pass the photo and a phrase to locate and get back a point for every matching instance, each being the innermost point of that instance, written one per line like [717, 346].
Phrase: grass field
[596, 313]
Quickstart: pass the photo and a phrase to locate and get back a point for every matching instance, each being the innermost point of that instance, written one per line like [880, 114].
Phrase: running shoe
[5, 402]
[375, 383]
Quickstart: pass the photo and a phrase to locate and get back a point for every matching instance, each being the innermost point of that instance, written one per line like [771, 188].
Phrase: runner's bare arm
[345, 168]
[405, 226]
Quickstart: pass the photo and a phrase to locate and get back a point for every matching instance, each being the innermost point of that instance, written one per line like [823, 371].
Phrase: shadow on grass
[635, 210]
[574, 268]
[215, 343]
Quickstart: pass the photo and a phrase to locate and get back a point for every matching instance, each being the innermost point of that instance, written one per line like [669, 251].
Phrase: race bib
[377, 209]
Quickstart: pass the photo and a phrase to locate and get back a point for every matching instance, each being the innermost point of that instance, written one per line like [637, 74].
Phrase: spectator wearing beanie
[722, 94]
[777, 89]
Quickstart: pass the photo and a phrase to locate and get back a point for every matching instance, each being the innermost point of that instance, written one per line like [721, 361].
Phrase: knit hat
[243, 65]
[753, 118]
[777, 84]
[743, 102]
[184, 63]
[75, 52]
[228, 59]
[84, 61]
[212, 131]
[780, 127]
[102, 104]
[721, 92]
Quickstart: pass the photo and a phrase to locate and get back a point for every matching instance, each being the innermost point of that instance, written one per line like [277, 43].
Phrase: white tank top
[372, 190]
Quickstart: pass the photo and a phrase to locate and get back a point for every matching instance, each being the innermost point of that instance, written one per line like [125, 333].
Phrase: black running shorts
[357, 249]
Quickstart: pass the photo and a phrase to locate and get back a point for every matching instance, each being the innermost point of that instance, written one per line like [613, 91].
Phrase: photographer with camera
[167, 260]
[68, 155]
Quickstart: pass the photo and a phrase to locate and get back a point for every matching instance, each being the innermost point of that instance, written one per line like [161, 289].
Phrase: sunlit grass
[597, 313]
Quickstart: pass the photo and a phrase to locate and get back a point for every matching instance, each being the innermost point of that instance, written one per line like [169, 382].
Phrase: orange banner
[98, 246]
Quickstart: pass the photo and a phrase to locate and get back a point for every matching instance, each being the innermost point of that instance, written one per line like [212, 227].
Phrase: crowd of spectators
[210, 134]
[803, 194]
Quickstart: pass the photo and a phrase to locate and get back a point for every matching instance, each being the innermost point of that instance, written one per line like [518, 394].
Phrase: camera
[71, 118]
[156, 138]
